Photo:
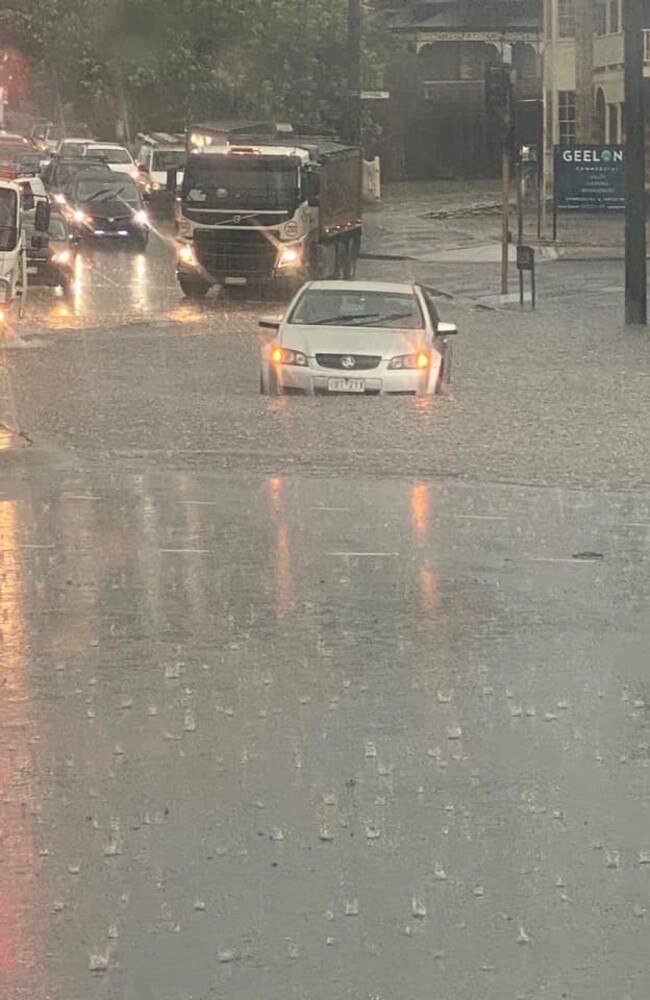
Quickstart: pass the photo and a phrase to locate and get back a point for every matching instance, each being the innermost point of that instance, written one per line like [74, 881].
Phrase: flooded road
[319, 698]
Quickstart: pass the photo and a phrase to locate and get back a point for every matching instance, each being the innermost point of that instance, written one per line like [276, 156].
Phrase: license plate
[235, 281]
[346, 385]
[32, 270]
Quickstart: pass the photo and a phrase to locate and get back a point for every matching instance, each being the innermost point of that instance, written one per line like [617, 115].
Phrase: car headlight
[186, 255]
[63, 257]
[289, 257]
[418, 361]
[59, 199]
[286, 356]
[80, 216]
[141, 217]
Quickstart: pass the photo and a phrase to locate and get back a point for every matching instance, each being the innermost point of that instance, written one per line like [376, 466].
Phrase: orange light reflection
[284, 598]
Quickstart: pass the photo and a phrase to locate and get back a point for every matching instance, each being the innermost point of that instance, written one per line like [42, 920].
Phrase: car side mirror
[446, 330]
[270, 323]
[42, 216]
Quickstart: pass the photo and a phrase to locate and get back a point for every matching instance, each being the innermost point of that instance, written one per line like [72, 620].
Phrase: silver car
[357, 337]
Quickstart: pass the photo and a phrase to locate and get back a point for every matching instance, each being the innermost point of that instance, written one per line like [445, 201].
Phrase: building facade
[438, 120]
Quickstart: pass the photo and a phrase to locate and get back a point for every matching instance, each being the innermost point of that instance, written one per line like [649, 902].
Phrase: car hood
[313, 340]
[107, 209]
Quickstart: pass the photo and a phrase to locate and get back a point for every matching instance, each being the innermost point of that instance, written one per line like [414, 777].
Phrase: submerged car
[357, 337]
[109, 207]
[51, 256]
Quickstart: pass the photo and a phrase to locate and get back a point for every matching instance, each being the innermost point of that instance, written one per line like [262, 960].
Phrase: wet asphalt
[322, 698]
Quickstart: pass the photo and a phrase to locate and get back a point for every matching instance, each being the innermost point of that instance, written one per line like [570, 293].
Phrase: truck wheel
[351, 258]
[193, 288]
[341, 254]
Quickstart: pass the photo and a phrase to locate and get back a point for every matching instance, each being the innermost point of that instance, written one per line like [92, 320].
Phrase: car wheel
[444, 376]
[140, 241]
[194, 288]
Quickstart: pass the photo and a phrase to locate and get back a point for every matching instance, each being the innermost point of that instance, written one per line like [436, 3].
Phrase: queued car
[117, 157]
[73, 146]
[61, 172]
[46, 136]
[108, 207]
[359, 338]
[51, 257]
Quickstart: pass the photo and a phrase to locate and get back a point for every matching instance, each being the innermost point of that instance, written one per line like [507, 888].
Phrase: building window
[566, 18]
[614, 17]
[612, 110]
[567, 117]
[600, 18]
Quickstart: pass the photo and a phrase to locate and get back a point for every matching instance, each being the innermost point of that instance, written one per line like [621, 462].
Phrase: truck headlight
[63, 257]
[289, 257]
[186, 255]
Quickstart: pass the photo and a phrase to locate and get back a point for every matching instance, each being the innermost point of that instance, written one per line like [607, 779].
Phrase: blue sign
[590, 178]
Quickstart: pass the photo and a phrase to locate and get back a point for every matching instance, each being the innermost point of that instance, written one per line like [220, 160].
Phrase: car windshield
[111, 154]
[8, 208]
[231, 183]
[168, 159]
[58, 229]
[371, 307]
[73, 148]
[104, 188]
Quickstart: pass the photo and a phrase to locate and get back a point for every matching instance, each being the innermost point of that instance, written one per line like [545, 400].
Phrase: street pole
[635, 207]
[505, 215]
[354, 72]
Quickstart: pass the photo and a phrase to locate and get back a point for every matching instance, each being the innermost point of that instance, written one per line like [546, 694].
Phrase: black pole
[354, 72]
[636, 313]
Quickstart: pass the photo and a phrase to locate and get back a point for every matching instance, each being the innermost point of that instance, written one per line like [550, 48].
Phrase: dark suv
[108, 207]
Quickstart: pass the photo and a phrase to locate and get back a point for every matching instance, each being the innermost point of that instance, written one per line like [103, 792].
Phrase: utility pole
[635, 208]
[584, 15]
[354, 72]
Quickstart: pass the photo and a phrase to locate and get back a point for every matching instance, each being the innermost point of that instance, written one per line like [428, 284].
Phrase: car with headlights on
[51, 256]
[108, 207]
[359, 338]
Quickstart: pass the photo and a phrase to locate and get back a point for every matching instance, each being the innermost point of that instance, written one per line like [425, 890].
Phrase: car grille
[235, 252]
[111, 225]
[362, 362]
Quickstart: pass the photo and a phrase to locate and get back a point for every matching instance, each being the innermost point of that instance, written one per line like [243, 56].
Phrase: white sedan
[115, 156]
[371, 337]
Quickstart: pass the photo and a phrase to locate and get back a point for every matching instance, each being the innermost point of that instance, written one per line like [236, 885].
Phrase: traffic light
[498, 96]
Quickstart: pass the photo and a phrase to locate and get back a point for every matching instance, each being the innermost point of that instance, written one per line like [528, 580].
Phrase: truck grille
[235, 253]
[362, 362]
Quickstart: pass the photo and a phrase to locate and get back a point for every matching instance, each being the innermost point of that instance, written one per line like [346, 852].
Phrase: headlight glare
[287, 356]
[408, 362]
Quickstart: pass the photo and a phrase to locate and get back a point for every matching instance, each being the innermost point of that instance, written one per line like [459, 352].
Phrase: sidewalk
[460, 222]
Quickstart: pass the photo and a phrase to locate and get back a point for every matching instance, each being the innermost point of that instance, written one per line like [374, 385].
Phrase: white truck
[16, 198]
[265, 206]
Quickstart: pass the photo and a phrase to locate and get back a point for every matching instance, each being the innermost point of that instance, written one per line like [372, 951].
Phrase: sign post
[526, 262]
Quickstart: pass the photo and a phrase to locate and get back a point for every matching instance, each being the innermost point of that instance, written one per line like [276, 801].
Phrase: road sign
[375, 95]
[589, 178]
[525, 258]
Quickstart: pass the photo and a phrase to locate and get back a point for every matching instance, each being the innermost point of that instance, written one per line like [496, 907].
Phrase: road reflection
[20, 927]
[421, 531]
[284, 596]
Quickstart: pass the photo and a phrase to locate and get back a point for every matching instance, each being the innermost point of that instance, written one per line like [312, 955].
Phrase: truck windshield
[8, 211]
[168, 159]
[241, 184]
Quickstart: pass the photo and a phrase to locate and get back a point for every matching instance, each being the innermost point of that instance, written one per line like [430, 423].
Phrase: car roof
[106, 145]
[364, 286]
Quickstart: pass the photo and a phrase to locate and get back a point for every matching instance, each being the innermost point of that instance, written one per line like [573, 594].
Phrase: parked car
[370, 338]
[108, 207]
[51, 257]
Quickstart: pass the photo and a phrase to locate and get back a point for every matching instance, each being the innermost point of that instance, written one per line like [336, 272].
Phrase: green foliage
[165, 62]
